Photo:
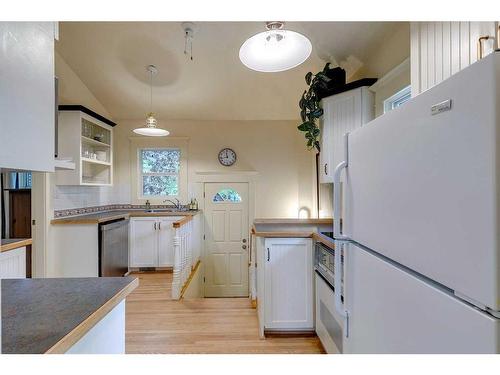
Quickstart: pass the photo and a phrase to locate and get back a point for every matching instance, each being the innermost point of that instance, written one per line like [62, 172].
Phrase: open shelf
[84, 138]
[94, 142]
[94, 161]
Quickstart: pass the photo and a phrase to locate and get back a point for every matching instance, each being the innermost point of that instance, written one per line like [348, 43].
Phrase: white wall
[73, 91]
[274, 149]
[441, 49]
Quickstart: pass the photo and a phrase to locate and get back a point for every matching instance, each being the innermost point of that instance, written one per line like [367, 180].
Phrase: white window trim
[141, 143]
[389, 102]
[141, 174]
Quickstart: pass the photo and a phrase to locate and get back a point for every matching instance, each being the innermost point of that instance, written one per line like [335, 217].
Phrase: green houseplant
[309, 104]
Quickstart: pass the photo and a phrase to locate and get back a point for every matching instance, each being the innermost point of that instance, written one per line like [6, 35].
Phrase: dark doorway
[20, 213]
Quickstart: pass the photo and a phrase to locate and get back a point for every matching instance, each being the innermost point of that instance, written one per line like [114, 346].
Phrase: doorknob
[244, 247]
[244, 240]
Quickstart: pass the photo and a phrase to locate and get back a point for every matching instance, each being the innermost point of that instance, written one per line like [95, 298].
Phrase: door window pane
[227, 195]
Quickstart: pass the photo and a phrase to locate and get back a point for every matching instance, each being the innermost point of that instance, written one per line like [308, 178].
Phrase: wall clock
[227, 157]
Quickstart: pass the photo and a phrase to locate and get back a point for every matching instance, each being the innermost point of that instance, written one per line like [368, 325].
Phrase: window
[159, 172]
[227, 195]
[397, 99]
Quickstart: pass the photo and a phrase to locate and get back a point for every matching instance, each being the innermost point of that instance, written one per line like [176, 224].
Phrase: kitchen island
[70, 315]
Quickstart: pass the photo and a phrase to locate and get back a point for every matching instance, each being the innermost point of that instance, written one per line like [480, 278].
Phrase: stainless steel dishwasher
[113, 248]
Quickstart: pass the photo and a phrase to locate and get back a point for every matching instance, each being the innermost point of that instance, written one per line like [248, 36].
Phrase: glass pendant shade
[275, 50]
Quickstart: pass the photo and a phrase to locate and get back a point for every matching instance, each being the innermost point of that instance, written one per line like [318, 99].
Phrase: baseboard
[150, 269]
[289, 333]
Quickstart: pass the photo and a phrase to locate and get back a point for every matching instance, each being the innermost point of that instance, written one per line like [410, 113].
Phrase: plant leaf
[318, 147]
[303, 114]
[306, 126]
[308, 78]
[318, 112]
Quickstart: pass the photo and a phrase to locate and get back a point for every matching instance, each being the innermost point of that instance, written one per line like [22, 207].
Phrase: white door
[143, 242]
[394, 311]
[226, 239]
[166, 234]
[288, 284]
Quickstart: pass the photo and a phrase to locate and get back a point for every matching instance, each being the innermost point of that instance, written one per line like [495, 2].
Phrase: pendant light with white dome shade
[275, 50]
[151, 129]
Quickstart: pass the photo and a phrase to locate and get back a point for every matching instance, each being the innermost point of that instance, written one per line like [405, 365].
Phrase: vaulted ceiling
[111, 57]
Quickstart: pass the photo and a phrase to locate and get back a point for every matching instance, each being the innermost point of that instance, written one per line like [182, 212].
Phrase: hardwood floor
[157, 324]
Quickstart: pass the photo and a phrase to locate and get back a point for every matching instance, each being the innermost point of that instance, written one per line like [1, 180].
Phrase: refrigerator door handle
[337, 234]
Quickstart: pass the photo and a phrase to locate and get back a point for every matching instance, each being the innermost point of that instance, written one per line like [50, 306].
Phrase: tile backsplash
[70, 197]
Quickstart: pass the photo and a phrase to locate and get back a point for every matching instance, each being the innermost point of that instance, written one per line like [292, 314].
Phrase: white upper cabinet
[440, 49]
[27, 96]
[89, 141]
[343, 113]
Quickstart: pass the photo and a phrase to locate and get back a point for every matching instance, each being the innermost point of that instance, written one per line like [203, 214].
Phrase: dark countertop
[102, 217]
[37, 314]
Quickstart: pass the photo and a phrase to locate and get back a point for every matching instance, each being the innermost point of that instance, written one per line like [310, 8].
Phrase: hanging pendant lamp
[151, 129]
[275, 50]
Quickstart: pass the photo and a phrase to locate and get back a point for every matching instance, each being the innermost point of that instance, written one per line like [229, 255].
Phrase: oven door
[329, 325]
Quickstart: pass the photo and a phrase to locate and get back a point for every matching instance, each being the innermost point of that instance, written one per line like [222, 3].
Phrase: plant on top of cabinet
[320, 84]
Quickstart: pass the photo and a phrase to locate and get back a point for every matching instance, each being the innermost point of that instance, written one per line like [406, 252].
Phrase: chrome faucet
[148, 205]
[177, 203]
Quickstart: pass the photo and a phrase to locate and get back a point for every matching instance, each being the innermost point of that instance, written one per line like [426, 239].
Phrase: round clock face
[227, 157]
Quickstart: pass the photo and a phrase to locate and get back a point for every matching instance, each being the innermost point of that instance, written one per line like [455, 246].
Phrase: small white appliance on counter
[421, 211]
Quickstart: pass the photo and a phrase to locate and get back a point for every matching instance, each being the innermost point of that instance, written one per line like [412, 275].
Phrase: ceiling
[111, 59]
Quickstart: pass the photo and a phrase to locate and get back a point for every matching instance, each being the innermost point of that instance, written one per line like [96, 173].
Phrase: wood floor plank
[157, 324]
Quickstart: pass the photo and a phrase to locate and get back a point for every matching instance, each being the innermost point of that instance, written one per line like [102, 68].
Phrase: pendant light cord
[151, 91]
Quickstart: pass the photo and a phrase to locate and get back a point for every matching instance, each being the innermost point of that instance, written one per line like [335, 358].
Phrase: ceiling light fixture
[151, 130]
[190, 29]
[275, 50]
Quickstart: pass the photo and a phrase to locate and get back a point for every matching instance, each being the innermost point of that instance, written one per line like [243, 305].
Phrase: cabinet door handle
[326, 168]
[159, 225]
[155, 226]
[268, 255]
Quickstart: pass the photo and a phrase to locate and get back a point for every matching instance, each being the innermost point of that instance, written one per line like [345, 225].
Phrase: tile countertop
[103, 217]
[51, 315]
[14, 243]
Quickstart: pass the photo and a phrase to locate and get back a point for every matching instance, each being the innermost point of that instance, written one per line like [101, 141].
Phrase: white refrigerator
[419, 196]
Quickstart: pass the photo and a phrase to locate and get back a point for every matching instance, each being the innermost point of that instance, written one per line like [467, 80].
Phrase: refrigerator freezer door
[422, 189]
[393, 311]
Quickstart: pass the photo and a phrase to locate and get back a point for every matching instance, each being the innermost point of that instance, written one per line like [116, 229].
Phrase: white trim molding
[393, 73]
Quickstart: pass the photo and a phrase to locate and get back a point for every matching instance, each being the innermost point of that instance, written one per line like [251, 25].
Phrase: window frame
[400, 97]
[141, 174]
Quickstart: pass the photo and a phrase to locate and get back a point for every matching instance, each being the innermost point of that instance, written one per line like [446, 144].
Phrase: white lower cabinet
[288, 284]
[13, 264]
[151, 241]
[165, 242]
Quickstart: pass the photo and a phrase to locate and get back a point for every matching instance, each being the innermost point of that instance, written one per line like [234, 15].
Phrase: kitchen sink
[159, 210]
